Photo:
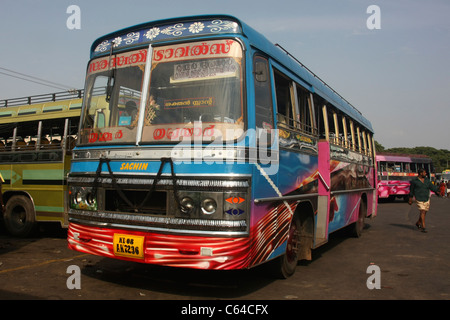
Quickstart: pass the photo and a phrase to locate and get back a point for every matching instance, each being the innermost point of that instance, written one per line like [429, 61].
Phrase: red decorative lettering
[215, 48]
[209, 131]
[176, 133]
[196, 50]
[200, 49]
[187, 132]
[158, 55]
[158, 134]
[106, 136]
[126, 59]
[197, 132]
[93, 136]
[182, 52]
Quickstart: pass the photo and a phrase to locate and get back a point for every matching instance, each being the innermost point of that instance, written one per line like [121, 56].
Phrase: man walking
[420, 189]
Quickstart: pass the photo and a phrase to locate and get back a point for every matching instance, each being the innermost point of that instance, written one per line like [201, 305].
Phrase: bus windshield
[112, 98]
[195, 93]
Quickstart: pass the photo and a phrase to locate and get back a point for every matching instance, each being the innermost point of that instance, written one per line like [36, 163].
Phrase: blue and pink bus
[203, 145]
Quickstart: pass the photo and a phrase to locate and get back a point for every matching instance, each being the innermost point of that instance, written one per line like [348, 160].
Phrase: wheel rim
[293, 244]
[361, 223]
[18, 217]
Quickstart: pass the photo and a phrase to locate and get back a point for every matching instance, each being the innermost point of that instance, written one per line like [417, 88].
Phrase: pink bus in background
[395, 171]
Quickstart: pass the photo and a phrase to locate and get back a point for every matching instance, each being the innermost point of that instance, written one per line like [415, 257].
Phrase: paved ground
[412, 265]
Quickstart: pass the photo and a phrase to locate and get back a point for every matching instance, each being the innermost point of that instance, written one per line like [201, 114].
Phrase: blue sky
[397, 76]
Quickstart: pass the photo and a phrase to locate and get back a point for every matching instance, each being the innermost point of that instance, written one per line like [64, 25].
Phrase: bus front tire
[287, 263]
[20, 220]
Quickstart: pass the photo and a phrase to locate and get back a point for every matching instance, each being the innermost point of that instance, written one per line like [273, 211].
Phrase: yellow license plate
[128, 246]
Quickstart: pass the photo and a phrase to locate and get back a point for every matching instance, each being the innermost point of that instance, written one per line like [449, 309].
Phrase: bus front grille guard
[118, 188]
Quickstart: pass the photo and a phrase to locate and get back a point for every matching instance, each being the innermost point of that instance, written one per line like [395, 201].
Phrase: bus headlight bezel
[82, 198]
[187, 205]
[208, 206]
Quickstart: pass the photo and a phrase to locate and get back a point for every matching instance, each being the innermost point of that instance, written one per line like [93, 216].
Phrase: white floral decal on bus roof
[168, 31]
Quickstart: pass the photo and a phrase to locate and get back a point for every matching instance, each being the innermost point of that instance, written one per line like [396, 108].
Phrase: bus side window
[334, 127]
[345, 132]
[364, 142]
[342, 130]
[100, 119]
[322, 117]
[72, 131]
[263, 98]
[352, 136]
[329, 129]
[407, 168]
[357, 140]
[97, 95]
[306, 119]
[285, 114]
[369, 144]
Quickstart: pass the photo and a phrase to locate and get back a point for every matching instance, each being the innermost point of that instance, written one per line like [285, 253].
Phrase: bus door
[324, 203]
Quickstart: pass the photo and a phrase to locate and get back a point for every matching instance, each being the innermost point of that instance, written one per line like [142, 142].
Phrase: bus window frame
[352, 133]
[35, 140]
[358, 139]
[325, 122]
[344, 133]
[266, 79]
[296, 123]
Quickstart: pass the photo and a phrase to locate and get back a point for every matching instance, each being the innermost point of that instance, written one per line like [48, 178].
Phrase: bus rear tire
[358, 226]
[20, 220]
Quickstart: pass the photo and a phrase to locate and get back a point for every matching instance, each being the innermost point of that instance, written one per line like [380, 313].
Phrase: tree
[378, 147]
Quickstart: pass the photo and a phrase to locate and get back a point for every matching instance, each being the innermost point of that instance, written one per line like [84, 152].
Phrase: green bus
[37, 135]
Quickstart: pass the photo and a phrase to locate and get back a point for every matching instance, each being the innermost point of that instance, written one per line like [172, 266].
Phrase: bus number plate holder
[129, 246]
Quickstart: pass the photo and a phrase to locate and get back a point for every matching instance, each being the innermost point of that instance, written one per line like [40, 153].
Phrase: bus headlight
[78, 198]
[90, 199]
[209, 206]
[82, 198]
[187, 205]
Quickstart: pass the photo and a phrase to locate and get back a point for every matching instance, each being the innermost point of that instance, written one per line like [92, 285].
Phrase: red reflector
[188, 251]
[235, 200]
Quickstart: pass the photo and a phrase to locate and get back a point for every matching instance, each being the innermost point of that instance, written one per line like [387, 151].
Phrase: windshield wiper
[111, 76]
